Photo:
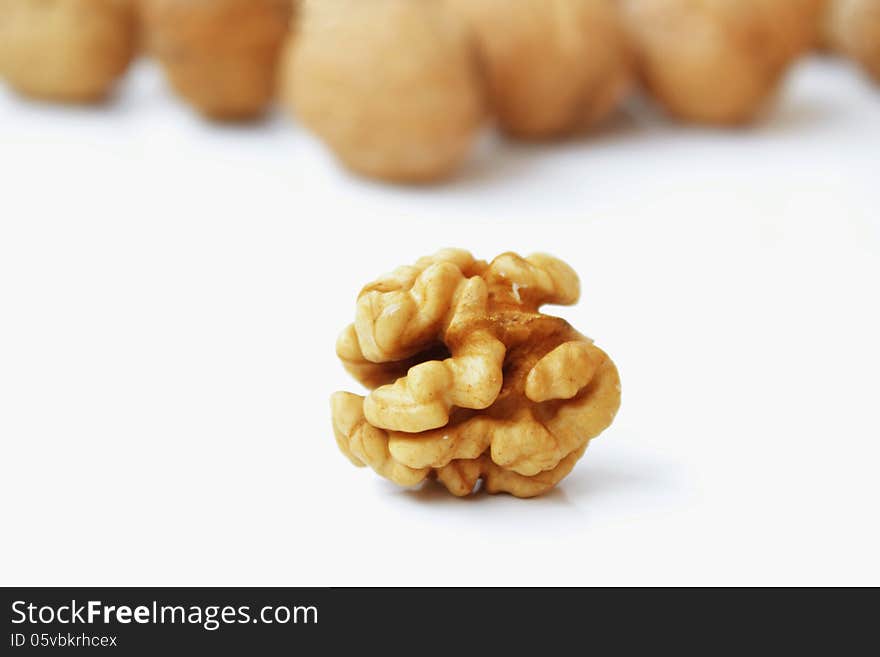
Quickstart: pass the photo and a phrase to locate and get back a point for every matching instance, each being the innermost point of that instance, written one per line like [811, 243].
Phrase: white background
[171, 291]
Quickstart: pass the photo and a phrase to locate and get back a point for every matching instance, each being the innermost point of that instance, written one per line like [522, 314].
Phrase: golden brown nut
[552, 67]
[469, 380]
[65, 50]
[220, 55]
[390, 85]
[796, 23]
[718, 61]
[822, 32]
[854, 27]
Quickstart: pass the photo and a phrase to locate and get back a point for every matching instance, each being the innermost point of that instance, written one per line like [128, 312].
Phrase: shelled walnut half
[469, 380]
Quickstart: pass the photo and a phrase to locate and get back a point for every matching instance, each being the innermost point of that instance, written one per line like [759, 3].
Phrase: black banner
[136, 621]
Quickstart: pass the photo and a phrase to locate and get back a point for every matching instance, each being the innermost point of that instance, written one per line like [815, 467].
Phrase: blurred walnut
[220, 55]
[553, 67]
[469, 380]
[854, 30]
[718, 61]
[65, 50]
[389, 85]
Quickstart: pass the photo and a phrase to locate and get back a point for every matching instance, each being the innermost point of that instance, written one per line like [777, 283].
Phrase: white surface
[170, 294]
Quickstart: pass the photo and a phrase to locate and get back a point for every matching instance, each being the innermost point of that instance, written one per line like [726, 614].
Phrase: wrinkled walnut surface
[469, 380]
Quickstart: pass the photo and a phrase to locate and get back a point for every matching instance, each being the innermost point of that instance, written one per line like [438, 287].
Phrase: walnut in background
[854, 30]
[390, 85]
[219, 55]
[66, 50]
[552, 67]
[718, 61]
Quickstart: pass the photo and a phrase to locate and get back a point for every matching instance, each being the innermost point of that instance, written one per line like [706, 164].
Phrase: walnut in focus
[552, 67]
[220, 55]
[854, 30]
[718, 61]
[390, 85]
[469, 380]
[66, 50]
